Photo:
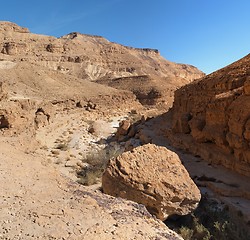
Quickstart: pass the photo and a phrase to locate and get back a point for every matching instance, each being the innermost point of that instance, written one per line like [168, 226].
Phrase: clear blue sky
[208, 34]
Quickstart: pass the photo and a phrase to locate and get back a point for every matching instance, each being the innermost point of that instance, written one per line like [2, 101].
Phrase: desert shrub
[89, 176]
[210, 221]
[97, 163]
[186, 233]
[62, 146]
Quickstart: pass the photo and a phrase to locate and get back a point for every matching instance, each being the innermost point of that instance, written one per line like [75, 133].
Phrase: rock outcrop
[149, 90]
[95, 58]
[153, 176]
[211, 117]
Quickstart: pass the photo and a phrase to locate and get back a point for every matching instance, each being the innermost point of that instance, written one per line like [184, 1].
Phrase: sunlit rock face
[214, 115]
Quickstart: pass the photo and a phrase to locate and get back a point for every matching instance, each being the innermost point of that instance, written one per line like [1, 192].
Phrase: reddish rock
[219, 110]
[155, 177]
[122, 130]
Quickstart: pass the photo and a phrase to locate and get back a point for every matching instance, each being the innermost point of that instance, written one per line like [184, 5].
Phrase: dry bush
[97, 163]
[210, 221]
[62, 146]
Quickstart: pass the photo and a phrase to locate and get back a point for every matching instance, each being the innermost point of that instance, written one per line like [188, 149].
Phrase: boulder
[123, 127]
[155, 177]
[123, 130]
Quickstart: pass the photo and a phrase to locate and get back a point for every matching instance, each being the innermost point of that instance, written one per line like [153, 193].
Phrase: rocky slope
[37, 202]
[30, 95]
[95, 58]
[211, 117]
[54, 113]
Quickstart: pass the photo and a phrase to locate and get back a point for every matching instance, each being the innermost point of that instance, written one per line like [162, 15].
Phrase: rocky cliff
[95, 58]
[87, 56]
[211, 117]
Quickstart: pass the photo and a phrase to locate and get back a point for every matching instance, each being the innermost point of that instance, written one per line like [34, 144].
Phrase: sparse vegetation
[210, 221]
[55, 152]
[62, 146]
[97, 163]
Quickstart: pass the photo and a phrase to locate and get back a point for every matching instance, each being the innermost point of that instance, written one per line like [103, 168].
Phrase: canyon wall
[211, 117]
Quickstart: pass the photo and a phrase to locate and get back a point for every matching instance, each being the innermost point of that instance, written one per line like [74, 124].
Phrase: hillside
[94, 58]
[61, 102]
[87, 56]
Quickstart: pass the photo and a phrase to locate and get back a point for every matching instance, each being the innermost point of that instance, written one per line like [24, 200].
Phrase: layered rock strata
[95, 58]
[211, 117]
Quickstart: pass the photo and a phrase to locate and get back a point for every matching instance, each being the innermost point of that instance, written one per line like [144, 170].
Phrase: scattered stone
[123, 127]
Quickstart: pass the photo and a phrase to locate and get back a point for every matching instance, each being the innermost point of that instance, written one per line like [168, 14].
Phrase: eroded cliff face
[144, 72]
[87, 56]
[211, 117]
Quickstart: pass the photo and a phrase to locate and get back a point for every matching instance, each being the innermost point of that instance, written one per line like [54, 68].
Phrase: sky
[208, 34]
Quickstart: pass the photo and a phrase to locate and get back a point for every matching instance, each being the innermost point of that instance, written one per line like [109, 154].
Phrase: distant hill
[94, 58]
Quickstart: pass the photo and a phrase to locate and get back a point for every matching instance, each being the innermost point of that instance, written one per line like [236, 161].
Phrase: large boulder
[155, 177]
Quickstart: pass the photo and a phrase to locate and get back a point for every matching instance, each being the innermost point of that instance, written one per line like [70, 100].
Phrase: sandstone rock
[43, 115]
[122, 130]
[81, 104]
[247, 131]
[181, 124]
[12, 27]
[90, 106]
[132, 131]
[4, 122]
[247, 86]
[41, 119]
[153, 176]
[219, 106]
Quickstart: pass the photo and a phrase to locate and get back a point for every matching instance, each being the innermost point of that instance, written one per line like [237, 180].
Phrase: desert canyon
[104, 141]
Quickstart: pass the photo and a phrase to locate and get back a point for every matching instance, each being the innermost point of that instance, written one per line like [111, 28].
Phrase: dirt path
[69, 139]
